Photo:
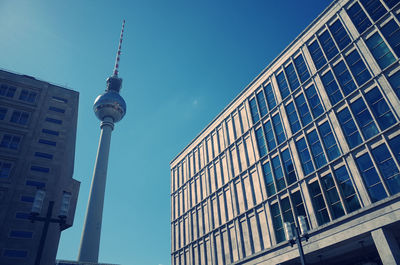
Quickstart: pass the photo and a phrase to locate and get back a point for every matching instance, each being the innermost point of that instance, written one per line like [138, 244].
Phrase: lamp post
[36, 210]
[296, 236]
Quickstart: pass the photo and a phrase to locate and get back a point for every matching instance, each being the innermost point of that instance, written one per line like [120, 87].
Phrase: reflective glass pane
[305, 157]
[313, 100]
[374, 8]
[283, 87]
[364, 118]
[328, 45]
[391, 32]
[395, 83]
[317, 55]
[339, 34]
[261, 142]
[380, 108]
[331, 88]
[349, 128]
[277, 169]
[289, 167]
[280, 134]
[270, 96]
[301, 68]
[292, 116]
[359, 18]
[316, 149]
[329, 141]
[380, 50]
[344, 78]
[269, 135]
[254, 110]
[387, 167]
[262, 104]
[268, 179]
[304, 112]
[357, 67]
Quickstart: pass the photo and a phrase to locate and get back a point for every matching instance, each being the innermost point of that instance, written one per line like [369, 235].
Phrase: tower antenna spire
[116, 66]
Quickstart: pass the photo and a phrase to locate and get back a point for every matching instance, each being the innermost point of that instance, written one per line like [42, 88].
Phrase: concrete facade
[316, 134]
[38, 123]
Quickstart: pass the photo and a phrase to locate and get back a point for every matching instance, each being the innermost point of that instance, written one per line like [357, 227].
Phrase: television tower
[110, 108]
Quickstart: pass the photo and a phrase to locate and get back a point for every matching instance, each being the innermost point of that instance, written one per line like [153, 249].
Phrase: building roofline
[333, 3]
[29, 77]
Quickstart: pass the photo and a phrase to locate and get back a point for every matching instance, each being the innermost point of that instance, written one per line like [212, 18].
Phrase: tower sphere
[109, 104]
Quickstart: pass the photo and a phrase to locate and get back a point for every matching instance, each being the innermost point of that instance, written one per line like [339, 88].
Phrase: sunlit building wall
[38, 122]
[316, 134]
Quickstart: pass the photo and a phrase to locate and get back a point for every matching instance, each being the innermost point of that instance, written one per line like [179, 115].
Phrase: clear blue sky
[182, 62]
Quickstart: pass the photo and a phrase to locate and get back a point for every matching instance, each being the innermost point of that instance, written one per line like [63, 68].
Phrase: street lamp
[36, 210]
[297, 235]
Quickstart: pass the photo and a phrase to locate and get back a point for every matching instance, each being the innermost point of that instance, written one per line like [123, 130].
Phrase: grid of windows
[205, 206]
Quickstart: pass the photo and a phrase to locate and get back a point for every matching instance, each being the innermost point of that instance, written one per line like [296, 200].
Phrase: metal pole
[44, 233]
[300, 247]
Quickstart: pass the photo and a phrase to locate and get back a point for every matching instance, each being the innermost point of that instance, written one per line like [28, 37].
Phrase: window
[328, 45]
[292, 77]
[329, 141]
[359, 18]
[331, 88]
[13, 253]
[21, 234]
[305, 157]
[316, 149]
[357, 67]
[19, 117]
[261, 103]
[56, 121]
[387, 167]
[364, 118]
[332, 196]
[269, 134]
[380, 108]
[395, 146]
[313, 100]
[301, 104]
[40, 169]
[319, 203]
[27, 198]
[371, 178]
[280, 134]
[317, 55]
[47, 131]
[3, 112]
[10, 141]
[349, 128]
[270, 96]
[43, 155]
[391, 3]
[7, 91]
[288, 166]
[301, 68]
[60, 99]
[269, 181]
[374, 8]
[5, 169]
[339, 34]
[254, 110]
[391, 32]
[344, 78]
[37, 184]
[283, 87]
[55, 109]
[380, 50]
[277, 170]
[28, 96]
[347, 189]
[48, 142]
[293, 119]
[277, 222]
[394, 81]
[20, 215]
[261, 142]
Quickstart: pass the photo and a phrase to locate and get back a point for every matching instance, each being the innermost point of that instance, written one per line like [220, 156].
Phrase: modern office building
[38, 123]
[316, 134]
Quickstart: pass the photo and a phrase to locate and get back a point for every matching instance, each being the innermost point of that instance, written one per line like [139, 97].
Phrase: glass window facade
[324, 140]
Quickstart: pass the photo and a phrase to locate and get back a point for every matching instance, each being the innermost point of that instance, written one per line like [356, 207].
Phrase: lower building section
[368, 236]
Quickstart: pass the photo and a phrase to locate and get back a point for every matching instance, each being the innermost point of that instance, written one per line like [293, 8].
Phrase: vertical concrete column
[90, 242]
[387, 246]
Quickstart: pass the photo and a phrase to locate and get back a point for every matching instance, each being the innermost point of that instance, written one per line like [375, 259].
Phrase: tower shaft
[90, 242]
